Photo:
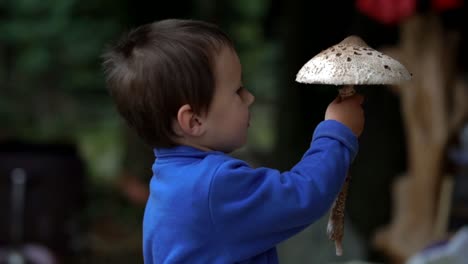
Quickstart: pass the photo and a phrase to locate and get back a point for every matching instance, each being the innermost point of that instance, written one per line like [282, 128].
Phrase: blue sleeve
[255, 209]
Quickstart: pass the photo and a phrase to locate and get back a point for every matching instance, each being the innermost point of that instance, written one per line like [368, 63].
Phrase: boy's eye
[240, 89]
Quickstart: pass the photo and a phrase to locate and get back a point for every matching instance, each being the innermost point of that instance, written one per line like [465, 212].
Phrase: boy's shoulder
[220, 164]
[223, 162]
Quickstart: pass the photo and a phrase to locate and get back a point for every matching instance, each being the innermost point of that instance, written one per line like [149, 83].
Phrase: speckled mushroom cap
[352, 61]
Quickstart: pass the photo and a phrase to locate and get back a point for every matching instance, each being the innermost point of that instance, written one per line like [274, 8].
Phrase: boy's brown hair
[156, 68]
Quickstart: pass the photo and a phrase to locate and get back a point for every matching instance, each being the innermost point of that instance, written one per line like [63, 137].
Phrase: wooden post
[434, 107]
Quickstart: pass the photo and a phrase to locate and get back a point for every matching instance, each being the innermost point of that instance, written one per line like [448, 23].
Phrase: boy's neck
[189, 143]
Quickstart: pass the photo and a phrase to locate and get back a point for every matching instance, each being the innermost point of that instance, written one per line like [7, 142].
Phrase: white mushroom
[352, 62]
[348, 63]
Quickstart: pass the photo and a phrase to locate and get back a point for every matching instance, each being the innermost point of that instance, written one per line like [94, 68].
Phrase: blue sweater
[207, 207]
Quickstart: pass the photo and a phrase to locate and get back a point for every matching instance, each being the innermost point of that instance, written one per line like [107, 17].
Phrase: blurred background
[74, 179]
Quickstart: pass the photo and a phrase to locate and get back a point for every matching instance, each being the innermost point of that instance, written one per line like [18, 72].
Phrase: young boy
[178, 84]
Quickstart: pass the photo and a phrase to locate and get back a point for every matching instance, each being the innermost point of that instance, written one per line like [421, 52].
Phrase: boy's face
[228, 118]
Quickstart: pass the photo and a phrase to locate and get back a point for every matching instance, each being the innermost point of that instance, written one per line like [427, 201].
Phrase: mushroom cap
[352, 62]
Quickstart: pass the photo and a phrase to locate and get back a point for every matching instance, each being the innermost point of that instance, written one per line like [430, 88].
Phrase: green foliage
[251, 9]
[259, 57]
[50, 67]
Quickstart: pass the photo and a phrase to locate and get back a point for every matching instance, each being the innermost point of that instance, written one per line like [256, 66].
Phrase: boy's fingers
[360, 98]
[357, 98]
[337, 100]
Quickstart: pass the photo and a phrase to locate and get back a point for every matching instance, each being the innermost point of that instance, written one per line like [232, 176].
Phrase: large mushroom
[348, 63]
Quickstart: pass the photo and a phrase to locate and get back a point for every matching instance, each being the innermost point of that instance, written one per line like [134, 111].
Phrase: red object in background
[387, 11]
[443, 5]
[394, 11]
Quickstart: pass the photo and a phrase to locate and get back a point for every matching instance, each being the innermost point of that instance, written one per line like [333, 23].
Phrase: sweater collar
[182, 151]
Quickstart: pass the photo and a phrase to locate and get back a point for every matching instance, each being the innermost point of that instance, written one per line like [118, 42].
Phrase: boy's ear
[190, 123]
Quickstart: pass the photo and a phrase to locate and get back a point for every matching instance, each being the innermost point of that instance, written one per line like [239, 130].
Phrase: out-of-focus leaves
[33, 61]
[259, 57]
[252, 9]
[49, 58]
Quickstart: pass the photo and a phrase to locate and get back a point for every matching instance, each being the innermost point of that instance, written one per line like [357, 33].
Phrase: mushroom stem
[338, 248]
[335, 226]
[346, 91]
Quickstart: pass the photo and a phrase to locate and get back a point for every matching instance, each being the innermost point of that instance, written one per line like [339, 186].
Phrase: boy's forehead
[228, 55]
[228, 63]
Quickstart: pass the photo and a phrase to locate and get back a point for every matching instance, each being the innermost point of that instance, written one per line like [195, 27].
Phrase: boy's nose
[250, 99]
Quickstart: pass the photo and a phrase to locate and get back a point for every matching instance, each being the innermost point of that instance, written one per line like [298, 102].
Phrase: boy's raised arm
[255, 209]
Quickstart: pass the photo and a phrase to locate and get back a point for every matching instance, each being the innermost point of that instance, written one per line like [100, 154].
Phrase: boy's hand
[348, 112]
